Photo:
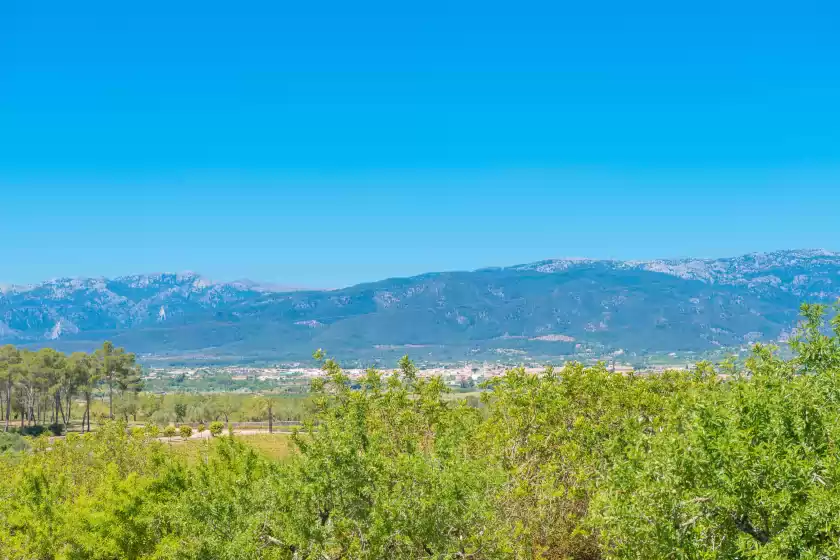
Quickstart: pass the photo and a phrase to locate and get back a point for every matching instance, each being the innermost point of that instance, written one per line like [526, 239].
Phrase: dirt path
[206, 434]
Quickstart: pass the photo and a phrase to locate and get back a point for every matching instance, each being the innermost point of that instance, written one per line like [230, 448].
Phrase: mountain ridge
[554, 306]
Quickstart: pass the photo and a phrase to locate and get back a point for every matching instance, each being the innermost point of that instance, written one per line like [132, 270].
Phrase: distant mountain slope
[546, 308]
[809, 273]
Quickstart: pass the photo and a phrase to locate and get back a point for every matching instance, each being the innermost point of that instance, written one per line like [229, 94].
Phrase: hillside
[553, 307]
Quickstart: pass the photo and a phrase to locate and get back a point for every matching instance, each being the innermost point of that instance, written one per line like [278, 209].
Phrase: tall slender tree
[83, 369]
[265, 405]
[119, 370]
[10, 360]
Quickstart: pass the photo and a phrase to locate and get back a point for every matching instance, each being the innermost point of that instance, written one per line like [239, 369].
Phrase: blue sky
[326, 143]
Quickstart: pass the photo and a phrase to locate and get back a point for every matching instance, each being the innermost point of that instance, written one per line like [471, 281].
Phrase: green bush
[169, 431]
[10, 441]
[200, 428]
[216, 428]
[32, 431]
[186, 431]
[56, 429]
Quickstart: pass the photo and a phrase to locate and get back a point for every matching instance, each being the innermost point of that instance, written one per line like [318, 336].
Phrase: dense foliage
[724, 462]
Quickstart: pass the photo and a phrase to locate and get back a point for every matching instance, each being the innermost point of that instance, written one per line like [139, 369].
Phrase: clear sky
[325, 143]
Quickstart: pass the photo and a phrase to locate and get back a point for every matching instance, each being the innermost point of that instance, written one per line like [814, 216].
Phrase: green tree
[186, 431]
[119, 370]
[216, 428]
[180, 411]
[84, 369]
[150, 404]
[265, 404]
[225, 405]
[127, 404]
[10, 361]
[371, 455]
[750, 471]
[46, 370]
[169, 431]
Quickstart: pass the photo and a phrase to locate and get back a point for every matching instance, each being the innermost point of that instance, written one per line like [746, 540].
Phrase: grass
[272, 446]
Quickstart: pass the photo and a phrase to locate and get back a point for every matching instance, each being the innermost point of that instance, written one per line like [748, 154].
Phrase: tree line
[45, 387]
[39, 387]
[196, 408]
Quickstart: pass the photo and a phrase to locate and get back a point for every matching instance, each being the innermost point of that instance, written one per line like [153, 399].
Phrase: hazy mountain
[550, 307]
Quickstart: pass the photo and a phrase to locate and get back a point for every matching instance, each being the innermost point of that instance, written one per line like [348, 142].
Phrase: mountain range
[547, 308]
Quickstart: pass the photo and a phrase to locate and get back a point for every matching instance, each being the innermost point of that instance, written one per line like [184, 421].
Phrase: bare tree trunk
[31, 405]
[87, 413]
[60, 408]
[8, 402]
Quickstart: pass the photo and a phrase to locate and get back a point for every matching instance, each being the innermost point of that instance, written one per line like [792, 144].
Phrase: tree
[169, 431]
[216, 428]
[225, 405]
[149, 404]
[126, 404]
[10, 360]
[130, 381]
[265, 405]
[186, 431]
[75, 378]
[118, 369]
[749, 469]
[84, 369]
[180, 411]
[45, 371]
[370, 456]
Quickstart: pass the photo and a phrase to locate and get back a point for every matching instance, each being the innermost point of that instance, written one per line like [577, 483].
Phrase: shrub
[200, 428]
[56, 429]
[186, 431]
[12, 442]
[33, 431]
[169, 431]
[216, 428]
